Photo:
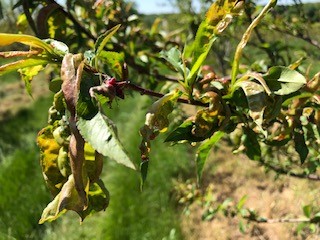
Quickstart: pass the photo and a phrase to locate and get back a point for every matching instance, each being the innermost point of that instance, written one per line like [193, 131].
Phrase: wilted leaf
[99, 133]
[98, 199]
[283, 80]
[49, 149]
[156, 122]
[204, 150]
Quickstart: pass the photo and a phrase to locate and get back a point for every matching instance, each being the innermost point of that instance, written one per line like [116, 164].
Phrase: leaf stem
[148, 92]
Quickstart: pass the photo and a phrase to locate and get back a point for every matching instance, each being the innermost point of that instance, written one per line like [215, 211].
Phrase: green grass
[23, 194]
[132, 214]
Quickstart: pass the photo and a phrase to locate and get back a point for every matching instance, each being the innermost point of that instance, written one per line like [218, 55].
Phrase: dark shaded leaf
[300, 144]
[251, 143]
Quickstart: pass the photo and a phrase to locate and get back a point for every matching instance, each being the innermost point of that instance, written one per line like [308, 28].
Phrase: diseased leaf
[98, 199]
[218, 17]
[7, 39]
[49, 152]
[114, 60]
[67, 199]
[99, 133]
[257, 102]
[156, 122]
[204, 150]
[283, 80]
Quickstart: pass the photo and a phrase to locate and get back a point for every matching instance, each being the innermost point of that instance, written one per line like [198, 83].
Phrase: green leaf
[174, 57]
[300, 144]
[284, 81]
[104, 38]
[204, 150]
[30, 62]
[99, 132]
[27, 75]
[144, 172]
[307, 210]
[251, 143]
[241, 202]
[7, 39]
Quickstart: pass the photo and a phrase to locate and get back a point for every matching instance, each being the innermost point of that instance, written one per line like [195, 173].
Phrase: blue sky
[163, 6]
[153, 6]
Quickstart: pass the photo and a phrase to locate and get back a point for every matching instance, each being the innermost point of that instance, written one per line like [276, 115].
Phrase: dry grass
[235, 176]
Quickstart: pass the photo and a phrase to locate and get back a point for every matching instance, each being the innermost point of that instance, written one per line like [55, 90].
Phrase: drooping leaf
[98, 199]
[67, 199]
[156, 122]
[99, 132]
[104, 38]
[251, 143]
[7, 39]
[30, 62]
[27, 75]
[204, 150]
[42, 19]
[257, 102]
[300, 144]
[49, 149]
[284, 81]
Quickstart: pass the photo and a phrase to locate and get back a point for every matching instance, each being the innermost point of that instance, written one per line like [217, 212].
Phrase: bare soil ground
[233, 176]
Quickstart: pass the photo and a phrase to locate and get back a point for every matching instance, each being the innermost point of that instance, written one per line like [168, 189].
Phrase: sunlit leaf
[30, 62]
[104, 38]
[7, 39]
[218, 17]
[174, 57]
[283, 80]
[27, 75]
[99, 132]
[114, 61]
[204, 150]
